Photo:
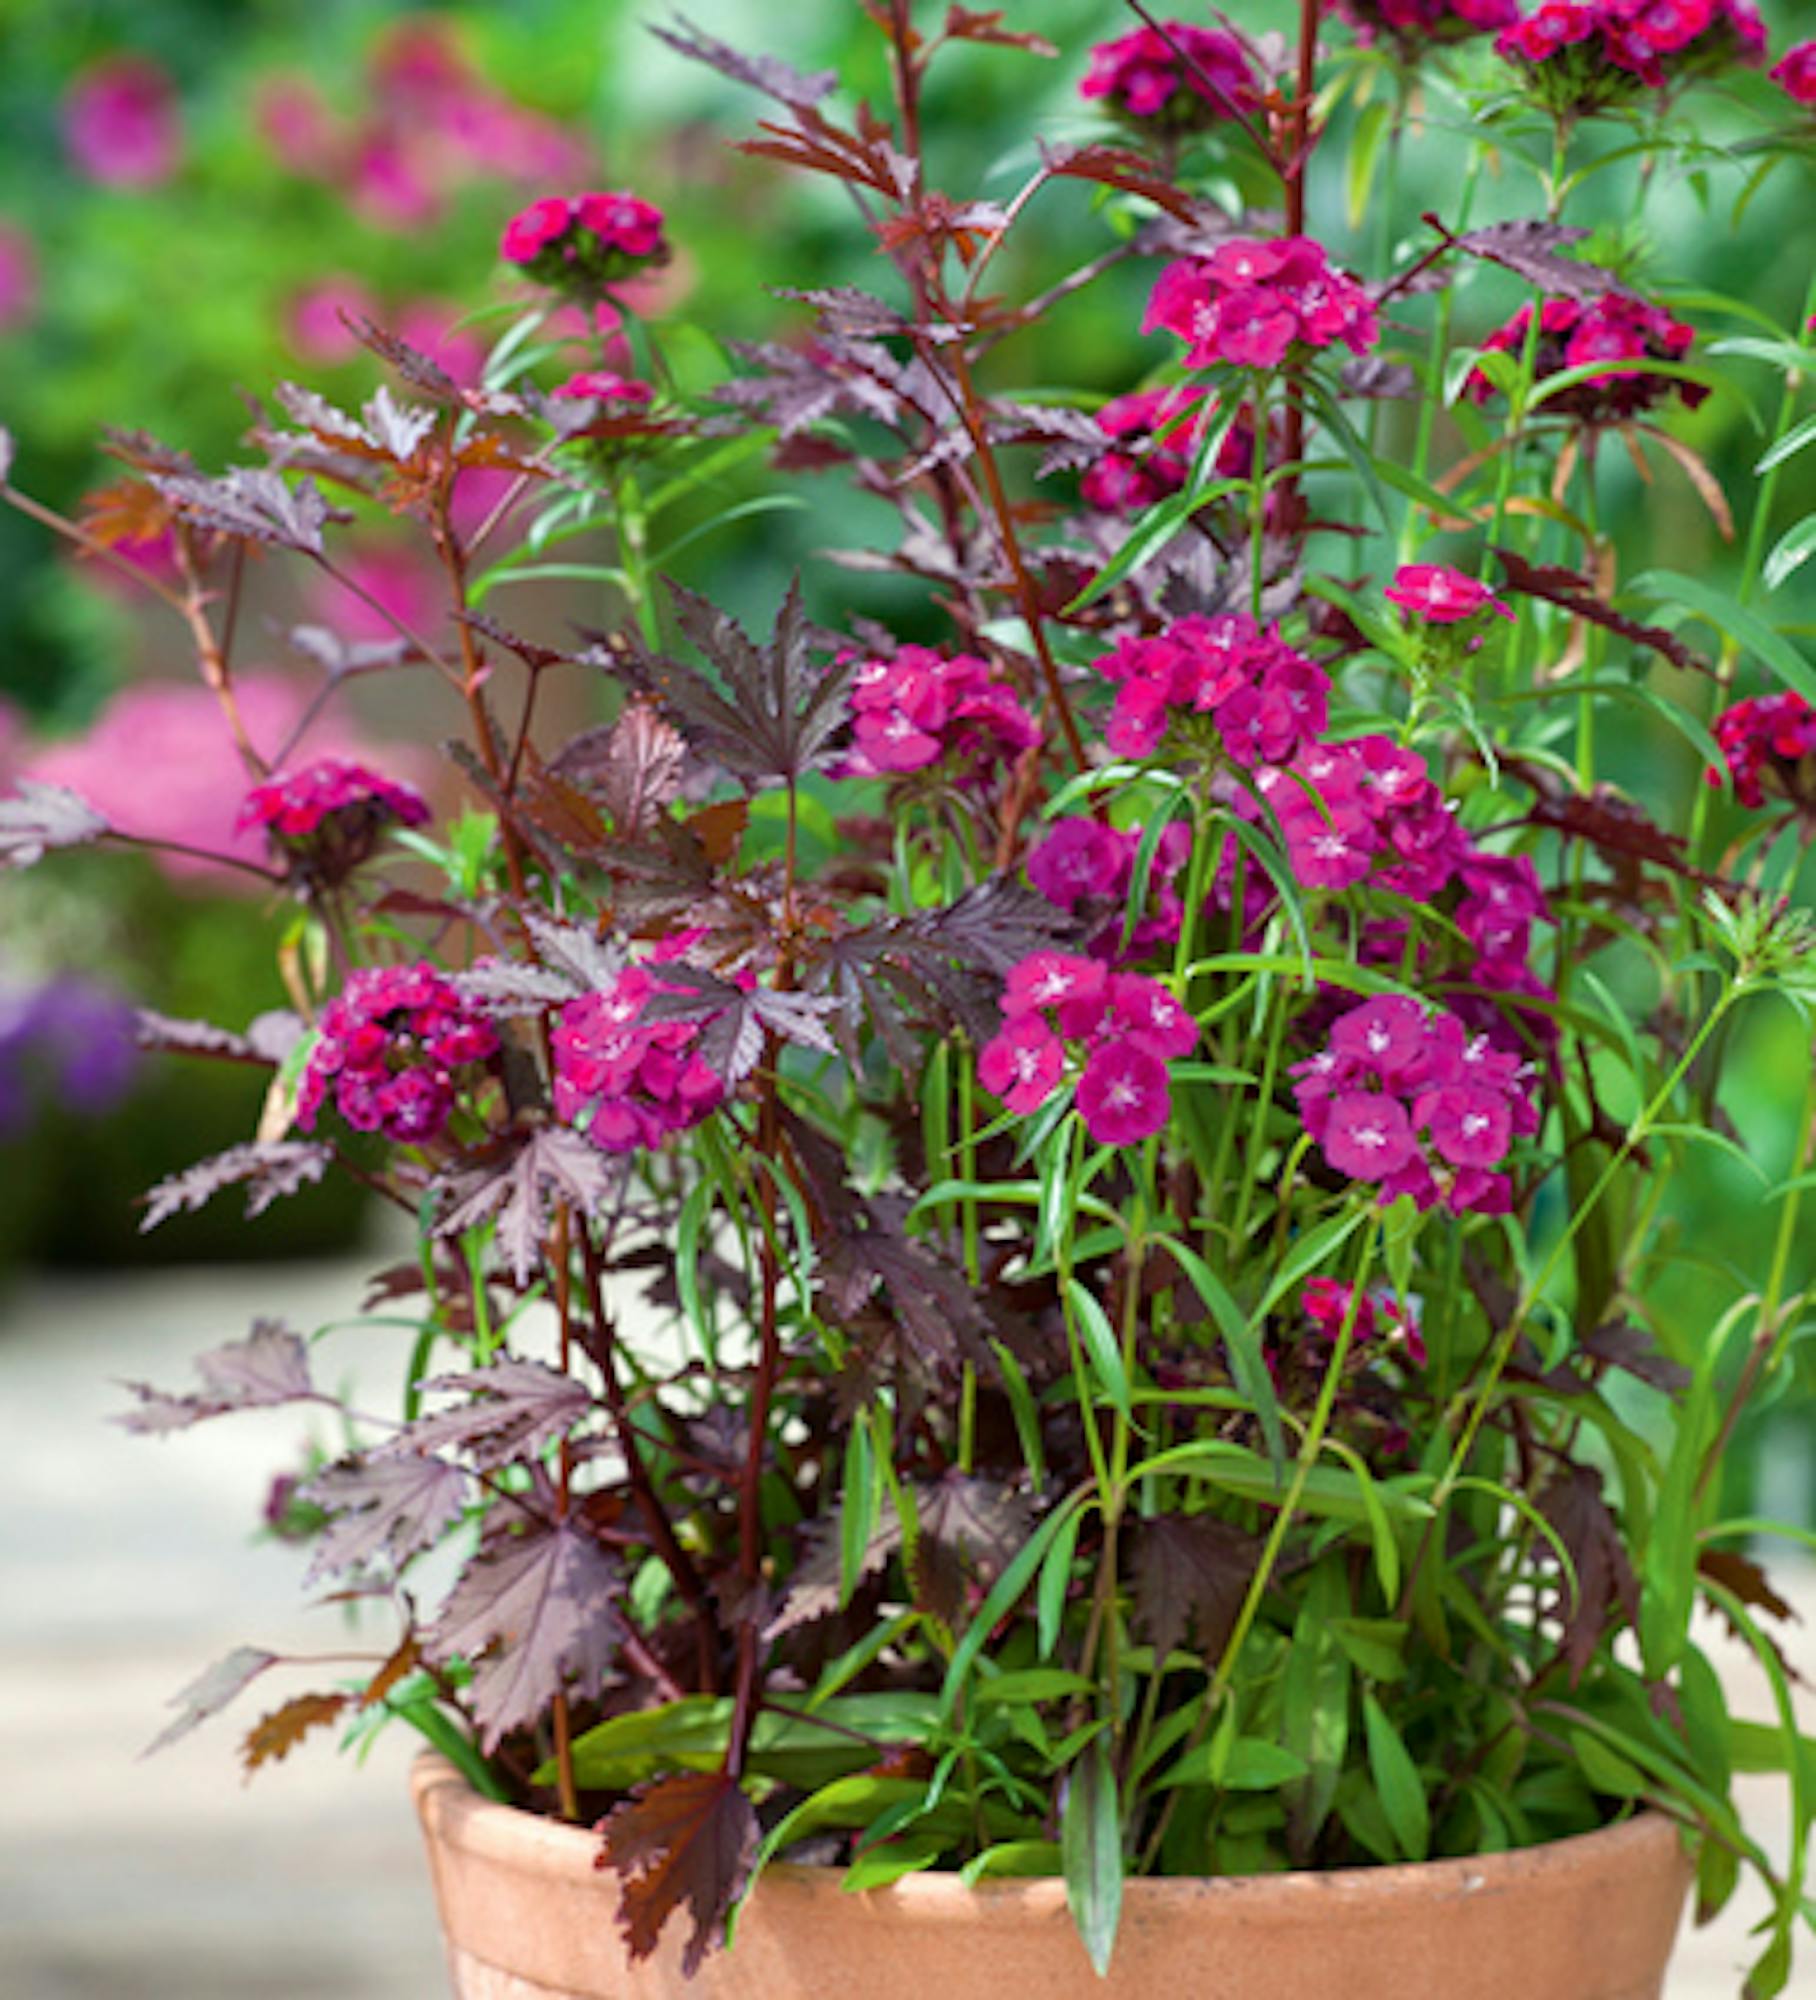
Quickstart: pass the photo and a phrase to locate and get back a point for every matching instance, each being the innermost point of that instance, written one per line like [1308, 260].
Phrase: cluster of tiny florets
[393, 1051]
[327, 817]
[1253, 303]
[605, 385]
[1154, 434]
[1125, 1027]
[1411, 23]
[1183, 78]
[1795, 72]
[1413, 1104]
[1580, 56]
[628, 1082]
[575, 241]
[1617, 328]
[917, 708]
[1263, 698]
[1769, 744]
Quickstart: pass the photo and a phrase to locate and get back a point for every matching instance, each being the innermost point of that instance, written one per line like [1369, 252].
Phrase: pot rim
[452, 1810]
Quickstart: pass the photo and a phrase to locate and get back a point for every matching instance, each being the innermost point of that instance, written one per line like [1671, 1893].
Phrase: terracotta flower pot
[527, 1917]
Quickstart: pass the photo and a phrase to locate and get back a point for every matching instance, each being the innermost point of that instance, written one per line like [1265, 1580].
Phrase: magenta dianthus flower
[1153, 434]
[1185, 78]
[1578, 57]
[603, 385]
[393, 1051]
[581, 243]
[326, 817]
[1615, 328]
[918, 708]
[1795, 72]
[627, 1081]
[1252, 303]
[1769, 745]
[1413, 24]
[1263, 698]
[1440, 595]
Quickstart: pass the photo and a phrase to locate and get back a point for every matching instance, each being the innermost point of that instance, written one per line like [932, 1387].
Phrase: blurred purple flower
[69, 1043]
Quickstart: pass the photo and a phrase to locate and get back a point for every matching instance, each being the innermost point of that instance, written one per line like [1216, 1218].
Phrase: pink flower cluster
[1439, 595]
[391, 1052]
[121, 125]
[1412, 22]
[1795, 71]
[1129, 1027]
[1615, 328]
[1155, 434]
[1412, 1103]
[919, 708]
[1263, 698]
[1084, 866]
[1327, 1304]
[431, 126]
[625, 1081]
[604, 385]
[584, 240]
[1252, 303]
[1184, 78]
[1769, 743]
[1579, 56]
[296, 804]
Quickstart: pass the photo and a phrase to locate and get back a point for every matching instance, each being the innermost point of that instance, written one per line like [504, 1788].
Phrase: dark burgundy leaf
[765, 73]
[737, 1018]
[267, 1041]
[812, 1592]
[1747, 1580]
[515, 1408]
[517, 1192]
[392, 1504]
[968, 24]
[251, 503]
[1629, 1347]
[533, 1615]
[1531, 249]
[40, 817]
[641, 774]
[1129, 172]
[1577, 595]
[268, 1169]
[270, 1366]
[210, 1692]
[1191, 1575]
[1606, 1585]
[690, 1838]
[970, 1530]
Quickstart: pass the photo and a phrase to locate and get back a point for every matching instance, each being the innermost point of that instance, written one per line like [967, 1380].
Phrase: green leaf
[1090, 1845]
[859, 1501]
[1013, 1857]
[1241, 1346]
[1377, 1646]
[1100, 1345]
[1004, 1594]
[1307, 1255]
[1248, 1764]
[1374, 124]
[1397, 1781]
[1030, 1684]
[1315, 1702]
[1793, 549]
[1606, 1771]
[1745, 628]
[889, 1860]
[1055, 1582]
[1789, 445]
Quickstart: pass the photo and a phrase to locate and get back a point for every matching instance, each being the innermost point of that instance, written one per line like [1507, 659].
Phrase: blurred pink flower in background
[18, 277]
[120, 123]
[387, 188]
[156, 555]
[295, 120]
[433, 326]
[313, 324]
[407, 584]
[159, 762]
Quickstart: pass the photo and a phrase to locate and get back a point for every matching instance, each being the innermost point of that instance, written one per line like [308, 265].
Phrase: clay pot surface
[527, 1917]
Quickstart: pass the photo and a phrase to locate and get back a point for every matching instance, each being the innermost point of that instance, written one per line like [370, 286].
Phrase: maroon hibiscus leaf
[765, 73]
[534, 1616]
[252, 504]
[518, 1192]
[391, 1504]
[513, 1409]
[270, 1366]
[40, 817]
[640, 775]
[1606, 1586]
[210, 1692]
[1577, 595]
[969, 24]
[686, 1839]
[266, 1042]
[735, 1019]
[969, 1531]
[1747, 1580]
[1533, 250]
[268, 1170]
[1191, 1575]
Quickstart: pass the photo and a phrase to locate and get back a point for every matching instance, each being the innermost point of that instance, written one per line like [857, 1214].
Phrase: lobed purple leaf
[41, 817]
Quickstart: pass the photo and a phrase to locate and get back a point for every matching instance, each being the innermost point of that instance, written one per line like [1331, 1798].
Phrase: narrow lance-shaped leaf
[1090, 1845]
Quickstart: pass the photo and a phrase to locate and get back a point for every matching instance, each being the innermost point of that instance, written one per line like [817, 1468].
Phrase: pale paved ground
[126, 1565]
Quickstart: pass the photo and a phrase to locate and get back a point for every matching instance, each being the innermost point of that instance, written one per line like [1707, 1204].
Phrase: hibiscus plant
[1050, 1247]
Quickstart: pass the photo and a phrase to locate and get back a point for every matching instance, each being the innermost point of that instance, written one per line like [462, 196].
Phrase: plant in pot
[1050, 1268]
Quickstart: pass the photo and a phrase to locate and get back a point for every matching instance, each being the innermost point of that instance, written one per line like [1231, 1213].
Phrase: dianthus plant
[1051, 1239]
